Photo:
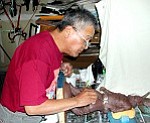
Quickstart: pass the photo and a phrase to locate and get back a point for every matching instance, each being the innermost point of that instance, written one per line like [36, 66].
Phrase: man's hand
[86, 97]
[66, 68]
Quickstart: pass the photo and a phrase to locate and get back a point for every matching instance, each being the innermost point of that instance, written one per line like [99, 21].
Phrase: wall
[6, 27]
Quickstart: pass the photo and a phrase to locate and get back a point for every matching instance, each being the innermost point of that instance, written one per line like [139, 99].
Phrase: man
[29, 87]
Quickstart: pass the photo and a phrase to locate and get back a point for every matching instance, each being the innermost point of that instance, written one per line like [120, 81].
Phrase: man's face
[79, 40]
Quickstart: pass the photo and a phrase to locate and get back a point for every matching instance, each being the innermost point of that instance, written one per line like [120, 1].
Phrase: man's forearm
[51, 107]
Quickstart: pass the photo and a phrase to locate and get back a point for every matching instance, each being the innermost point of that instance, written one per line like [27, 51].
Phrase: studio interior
[117, 57]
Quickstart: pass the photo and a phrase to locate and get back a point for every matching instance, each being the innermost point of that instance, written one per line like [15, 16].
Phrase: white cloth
[125, 45]
[51, 119]
[86, 75]
[72, 79]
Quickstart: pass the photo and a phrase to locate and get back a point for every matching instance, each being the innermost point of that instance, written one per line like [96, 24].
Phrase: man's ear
[68, 30]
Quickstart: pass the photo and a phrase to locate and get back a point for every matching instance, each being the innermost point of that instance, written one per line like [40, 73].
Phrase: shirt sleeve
[32, 83]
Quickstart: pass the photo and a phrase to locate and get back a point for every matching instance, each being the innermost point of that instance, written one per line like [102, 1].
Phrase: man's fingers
[86, 97]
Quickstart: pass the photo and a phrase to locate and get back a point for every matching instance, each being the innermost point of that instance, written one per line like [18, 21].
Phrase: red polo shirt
[31, 72]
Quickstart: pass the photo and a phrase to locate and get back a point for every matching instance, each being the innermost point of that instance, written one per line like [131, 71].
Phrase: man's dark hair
[78, 18]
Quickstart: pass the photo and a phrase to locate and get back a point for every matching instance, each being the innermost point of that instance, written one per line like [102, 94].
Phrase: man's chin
[75, 55]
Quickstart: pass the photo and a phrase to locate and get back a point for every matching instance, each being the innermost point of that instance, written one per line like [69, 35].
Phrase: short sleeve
[32, 81]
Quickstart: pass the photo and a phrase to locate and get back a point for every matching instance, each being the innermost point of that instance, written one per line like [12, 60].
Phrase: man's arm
[86, 97]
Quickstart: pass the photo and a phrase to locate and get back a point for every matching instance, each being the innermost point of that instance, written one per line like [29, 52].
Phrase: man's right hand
[86, 97]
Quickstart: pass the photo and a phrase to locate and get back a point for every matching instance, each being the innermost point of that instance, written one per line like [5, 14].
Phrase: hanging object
[27, 4]
[13, 8]
[17, 31]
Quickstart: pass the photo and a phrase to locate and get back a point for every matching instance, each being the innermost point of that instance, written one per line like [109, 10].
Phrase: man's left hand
[66, 68]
